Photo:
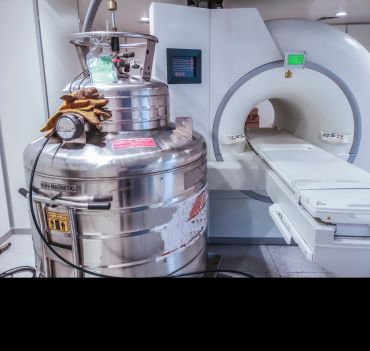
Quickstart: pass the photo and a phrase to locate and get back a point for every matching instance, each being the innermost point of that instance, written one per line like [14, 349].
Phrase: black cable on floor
[230, 271]
[11, 272]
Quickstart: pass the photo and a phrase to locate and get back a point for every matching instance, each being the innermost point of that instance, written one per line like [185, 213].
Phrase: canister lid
[135, 103]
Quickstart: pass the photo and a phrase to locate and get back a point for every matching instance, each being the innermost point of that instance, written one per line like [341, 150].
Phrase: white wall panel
[182, 27]
[4, 217]
[58, 21]
[23, 99]
[21, 93]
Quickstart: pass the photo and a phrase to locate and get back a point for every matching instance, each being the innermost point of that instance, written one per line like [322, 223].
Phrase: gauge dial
[69, 127]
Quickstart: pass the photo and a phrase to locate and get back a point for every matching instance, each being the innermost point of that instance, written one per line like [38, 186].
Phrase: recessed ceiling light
[341, 14]
[145, 19]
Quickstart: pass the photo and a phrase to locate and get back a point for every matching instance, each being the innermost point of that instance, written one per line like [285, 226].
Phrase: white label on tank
[186, 226]
[233, 139]
[335, 138]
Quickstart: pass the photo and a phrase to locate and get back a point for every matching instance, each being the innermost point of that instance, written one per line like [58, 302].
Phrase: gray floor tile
[260, 261]
[307, 275]
[252, 259]
[290, 259]
[19, 254]
[273, 274]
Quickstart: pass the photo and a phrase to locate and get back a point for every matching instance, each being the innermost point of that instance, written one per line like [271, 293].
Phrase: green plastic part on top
[101, 68]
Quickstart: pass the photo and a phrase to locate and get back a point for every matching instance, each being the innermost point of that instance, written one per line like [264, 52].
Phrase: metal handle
[111, 34]
[184, 127]
[288, 231]
[277, 217]
[84, 39]
[5, 247]
[76, 255]
[23, 192]
[104, 205]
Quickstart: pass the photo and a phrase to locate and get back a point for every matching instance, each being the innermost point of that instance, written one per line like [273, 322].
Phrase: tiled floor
[260, 261]
[268, 261]
[20, 253]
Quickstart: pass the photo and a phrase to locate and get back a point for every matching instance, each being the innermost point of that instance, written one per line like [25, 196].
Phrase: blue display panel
[184, 66]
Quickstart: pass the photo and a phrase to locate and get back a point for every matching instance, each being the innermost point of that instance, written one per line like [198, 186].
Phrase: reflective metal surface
[136, 104]
[100, 34]
[100, 158]
[154, 175]
[139, 104]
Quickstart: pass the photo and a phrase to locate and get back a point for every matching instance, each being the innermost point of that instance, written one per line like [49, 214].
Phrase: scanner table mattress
[329, 188]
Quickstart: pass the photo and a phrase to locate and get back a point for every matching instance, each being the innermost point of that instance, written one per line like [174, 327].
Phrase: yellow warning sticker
[58, 221]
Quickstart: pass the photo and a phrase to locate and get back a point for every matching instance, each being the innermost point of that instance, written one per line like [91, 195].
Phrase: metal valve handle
[84, 39]
[102, 204]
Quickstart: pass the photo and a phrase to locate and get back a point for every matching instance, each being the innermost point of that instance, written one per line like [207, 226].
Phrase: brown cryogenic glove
[87, 103]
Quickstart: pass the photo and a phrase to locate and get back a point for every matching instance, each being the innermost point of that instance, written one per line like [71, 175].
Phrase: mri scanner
[312, 164]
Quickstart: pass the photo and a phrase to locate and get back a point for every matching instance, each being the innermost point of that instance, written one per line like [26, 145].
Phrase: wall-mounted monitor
[184, 66]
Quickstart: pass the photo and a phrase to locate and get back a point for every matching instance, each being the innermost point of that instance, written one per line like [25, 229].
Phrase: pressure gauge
[69, 127]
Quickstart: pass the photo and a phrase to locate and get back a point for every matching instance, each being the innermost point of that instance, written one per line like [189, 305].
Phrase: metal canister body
[152, 172]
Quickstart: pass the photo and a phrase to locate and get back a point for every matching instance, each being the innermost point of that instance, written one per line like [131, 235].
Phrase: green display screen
[296, 59]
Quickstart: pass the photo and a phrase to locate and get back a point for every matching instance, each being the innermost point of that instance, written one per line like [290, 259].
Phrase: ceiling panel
[128, 14]
[130, 11]
[358, 10]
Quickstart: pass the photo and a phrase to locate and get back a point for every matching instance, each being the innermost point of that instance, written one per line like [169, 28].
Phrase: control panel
[184, 66]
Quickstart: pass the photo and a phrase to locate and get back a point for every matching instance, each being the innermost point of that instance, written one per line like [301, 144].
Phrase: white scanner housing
[313, 162]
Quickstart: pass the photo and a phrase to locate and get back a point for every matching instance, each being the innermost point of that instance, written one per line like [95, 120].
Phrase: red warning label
[133, 143]
[198, 205]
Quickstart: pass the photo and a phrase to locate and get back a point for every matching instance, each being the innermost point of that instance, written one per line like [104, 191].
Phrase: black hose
[257, 196]
[86, 27]
[75, 78]
[90, 15]
[79, 84]
[243, 274]
[11, 272]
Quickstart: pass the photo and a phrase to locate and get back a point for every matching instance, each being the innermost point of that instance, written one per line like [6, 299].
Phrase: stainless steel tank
[150, 171]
